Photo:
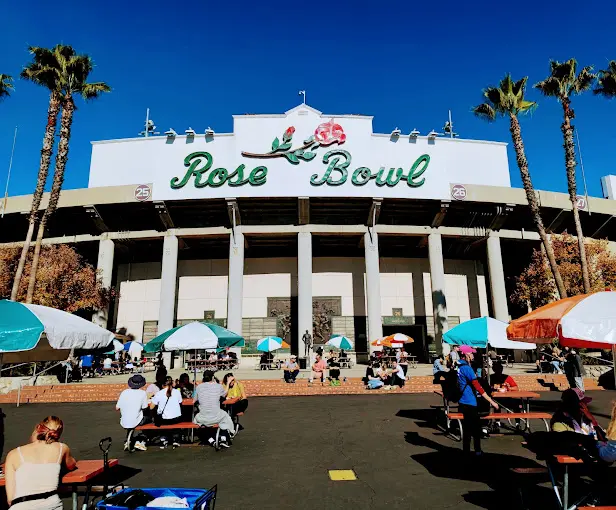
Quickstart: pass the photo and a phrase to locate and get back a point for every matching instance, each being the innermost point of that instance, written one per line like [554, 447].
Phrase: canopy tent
[22, 326]
[482, 332]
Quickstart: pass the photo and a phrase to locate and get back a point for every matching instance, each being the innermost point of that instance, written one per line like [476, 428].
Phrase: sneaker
[140, 445]
[176, 445]
[224, 444]
[126, 446]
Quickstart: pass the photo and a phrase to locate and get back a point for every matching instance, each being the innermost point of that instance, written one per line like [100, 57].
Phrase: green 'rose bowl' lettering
[258, 176]
[335, 164]
[217, 177]
[391, 179]
[417, 170]
[361, 176]
[192, 161]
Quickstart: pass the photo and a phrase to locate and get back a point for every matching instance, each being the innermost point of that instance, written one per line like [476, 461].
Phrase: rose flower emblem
[329, 132]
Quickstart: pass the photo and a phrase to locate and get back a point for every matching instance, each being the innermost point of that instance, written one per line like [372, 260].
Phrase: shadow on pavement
[508, 489]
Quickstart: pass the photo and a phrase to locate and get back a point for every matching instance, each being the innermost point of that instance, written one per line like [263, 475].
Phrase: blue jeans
[374, 384]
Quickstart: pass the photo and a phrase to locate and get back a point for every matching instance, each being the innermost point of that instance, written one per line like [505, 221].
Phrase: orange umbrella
[285, 345]
[587, 320]
[395, 340]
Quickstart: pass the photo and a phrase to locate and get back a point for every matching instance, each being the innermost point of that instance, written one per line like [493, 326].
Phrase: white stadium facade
[300, 212]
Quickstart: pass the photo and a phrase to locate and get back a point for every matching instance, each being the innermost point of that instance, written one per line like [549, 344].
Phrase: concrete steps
[84, 392]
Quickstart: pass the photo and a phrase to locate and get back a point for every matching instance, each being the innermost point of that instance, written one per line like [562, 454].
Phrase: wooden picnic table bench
[502, 416]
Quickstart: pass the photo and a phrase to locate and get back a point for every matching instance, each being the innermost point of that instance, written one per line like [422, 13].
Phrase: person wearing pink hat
[573, 414]
[467, 405]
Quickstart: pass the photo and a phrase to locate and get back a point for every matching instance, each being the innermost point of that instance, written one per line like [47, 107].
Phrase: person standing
[454, 356]
[467, 405]
[131, 404]
[291, 369]
[580, 372]
[33, 471]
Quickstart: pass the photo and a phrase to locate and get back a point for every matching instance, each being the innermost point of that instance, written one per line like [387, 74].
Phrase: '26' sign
[458, 192]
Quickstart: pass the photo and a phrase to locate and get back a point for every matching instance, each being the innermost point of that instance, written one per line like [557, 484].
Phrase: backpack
[450, 386]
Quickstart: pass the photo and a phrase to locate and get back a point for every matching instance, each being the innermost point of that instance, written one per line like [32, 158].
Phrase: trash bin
[303, 363]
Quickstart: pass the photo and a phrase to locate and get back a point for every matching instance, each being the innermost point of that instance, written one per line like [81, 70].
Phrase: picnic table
[524, 396]
[219, 364]
[83, 475]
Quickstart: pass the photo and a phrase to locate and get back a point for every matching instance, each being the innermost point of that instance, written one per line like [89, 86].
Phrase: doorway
[417, 332]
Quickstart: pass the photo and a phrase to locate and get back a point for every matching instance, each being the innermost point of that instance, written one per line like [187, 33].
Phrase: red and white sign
[581, 201]
[143, 193]
[458, 192]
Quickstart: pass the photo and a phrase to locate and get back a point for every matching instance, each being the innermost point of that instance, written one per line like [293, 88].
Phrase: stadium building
[305, 219]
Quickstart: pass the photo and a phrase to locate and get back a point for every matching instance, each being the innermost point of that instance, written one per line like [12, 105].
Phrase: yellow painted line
[339, 475]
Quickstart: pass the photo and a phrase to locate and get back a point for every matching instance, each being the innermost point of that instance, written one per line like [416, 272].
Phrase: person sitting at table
[398, 377]
[32, 471]
[185, 386]
[291, 369]
[263, 361]
[236, 401]
[573, 414]
[372, 380]
[168, 402]
[343, 355]
[439, 369]
[131, 403]
[107, 364]
[207, 397]
[500, 381]
[331, 356]
[318, 369]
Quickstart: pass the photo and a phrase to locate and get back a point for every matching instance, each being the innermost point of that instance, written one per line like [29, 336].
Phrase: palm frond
[6, 85]
[485, 111]
[549, 87]
[525, 107]
[94, 90]
[606, 86]
[584, 80]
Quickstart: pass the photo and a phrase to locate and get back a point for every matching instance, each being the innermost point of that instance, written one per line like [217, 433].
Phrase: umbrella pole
[614, 361]
[195, 364]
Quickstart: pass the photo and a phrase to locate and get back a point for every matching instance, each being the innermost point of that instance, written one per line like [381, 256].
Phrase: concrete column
[104, 266]
[235, 289]
[497, 279]
[439, 301]
[373, 288]
[168, 289]
[304, 290]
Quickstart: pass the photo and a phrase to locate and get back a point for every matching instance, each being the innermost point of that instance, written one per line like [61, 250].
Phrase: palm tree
[507, 100]
[563, 83]
[41, 71]
[6, 85]
[606, 86]
[71, 74]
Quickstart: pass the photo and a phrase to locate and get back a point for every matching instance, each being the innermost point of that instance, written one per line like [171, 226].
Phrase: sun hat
[136, 382]
[293, 356]
[467, 349]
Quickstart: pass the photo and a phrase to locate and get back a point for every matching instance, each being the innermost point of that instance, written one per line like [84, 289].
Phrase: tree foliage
[65, 281]
[535, 286]
[606, 81]
[6, 85]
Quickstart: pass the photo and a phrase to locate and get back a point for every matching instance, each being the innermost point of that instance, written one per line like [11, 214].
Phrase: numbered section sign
[581, 201]
[143, 193]
[458, 192]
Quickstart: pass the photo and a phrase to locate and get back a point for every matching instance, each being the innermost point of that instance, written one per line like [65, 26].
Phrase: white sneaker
[126, 446]
[140, 445]
[224, 444]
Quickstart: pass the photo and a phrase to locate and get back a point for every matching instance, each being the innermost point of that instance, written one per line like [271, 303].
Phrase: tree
[606, 81]
[65, 281]
[563, 83]
[72, 73]
[41, 71]
[507, 100]
[6, 85]
[535, 286]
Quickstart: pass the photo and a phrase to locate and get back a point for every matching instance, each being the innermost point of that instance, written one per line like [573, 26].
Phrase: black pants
[290, 375]
[471, 427]
[334, 373]
[397, 381]
[173, 434]
[238, 407]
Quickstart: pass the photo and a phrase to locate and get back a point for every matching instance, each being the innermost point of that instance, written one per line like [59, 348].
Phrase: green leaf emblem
[275, 144]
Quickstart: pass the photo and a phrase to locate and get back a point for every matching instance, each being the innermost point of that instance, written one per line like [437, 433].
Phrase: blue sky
[197, 63]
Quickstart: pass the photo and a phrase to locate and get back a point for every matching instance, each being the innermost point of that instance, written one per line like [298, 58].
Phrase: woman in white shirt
[168, 402]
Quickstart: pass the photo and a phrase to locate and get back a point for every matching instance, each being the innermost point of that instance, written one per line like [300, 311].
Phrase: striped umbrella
[397, 340]
[270, 343]
[195, 335]
[587, 320]
[22, 325]
[340, 342]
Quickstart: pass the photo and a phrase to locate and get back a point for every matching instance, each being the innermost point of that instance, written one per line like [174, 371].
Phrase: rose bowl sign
[301, 153]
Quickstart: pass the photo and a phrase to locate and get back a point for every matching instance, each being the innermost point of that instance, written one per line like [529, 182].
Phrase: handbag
[158, 417]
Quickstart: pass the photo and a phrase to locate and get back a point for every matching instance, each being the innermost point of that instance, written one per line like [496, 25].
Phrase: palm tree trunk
[569, 146]
[46, 152]
[531, 197]
[68, 108]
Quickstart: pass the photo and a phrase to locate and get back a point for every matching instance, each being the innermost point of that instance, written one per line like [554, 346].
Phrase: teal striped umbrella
[195, 335]
[269, 344]
[340, 342]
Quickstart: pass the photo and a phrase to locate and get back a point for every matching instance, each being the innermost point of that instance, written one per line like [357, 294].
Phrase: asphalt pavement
[283, 457]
